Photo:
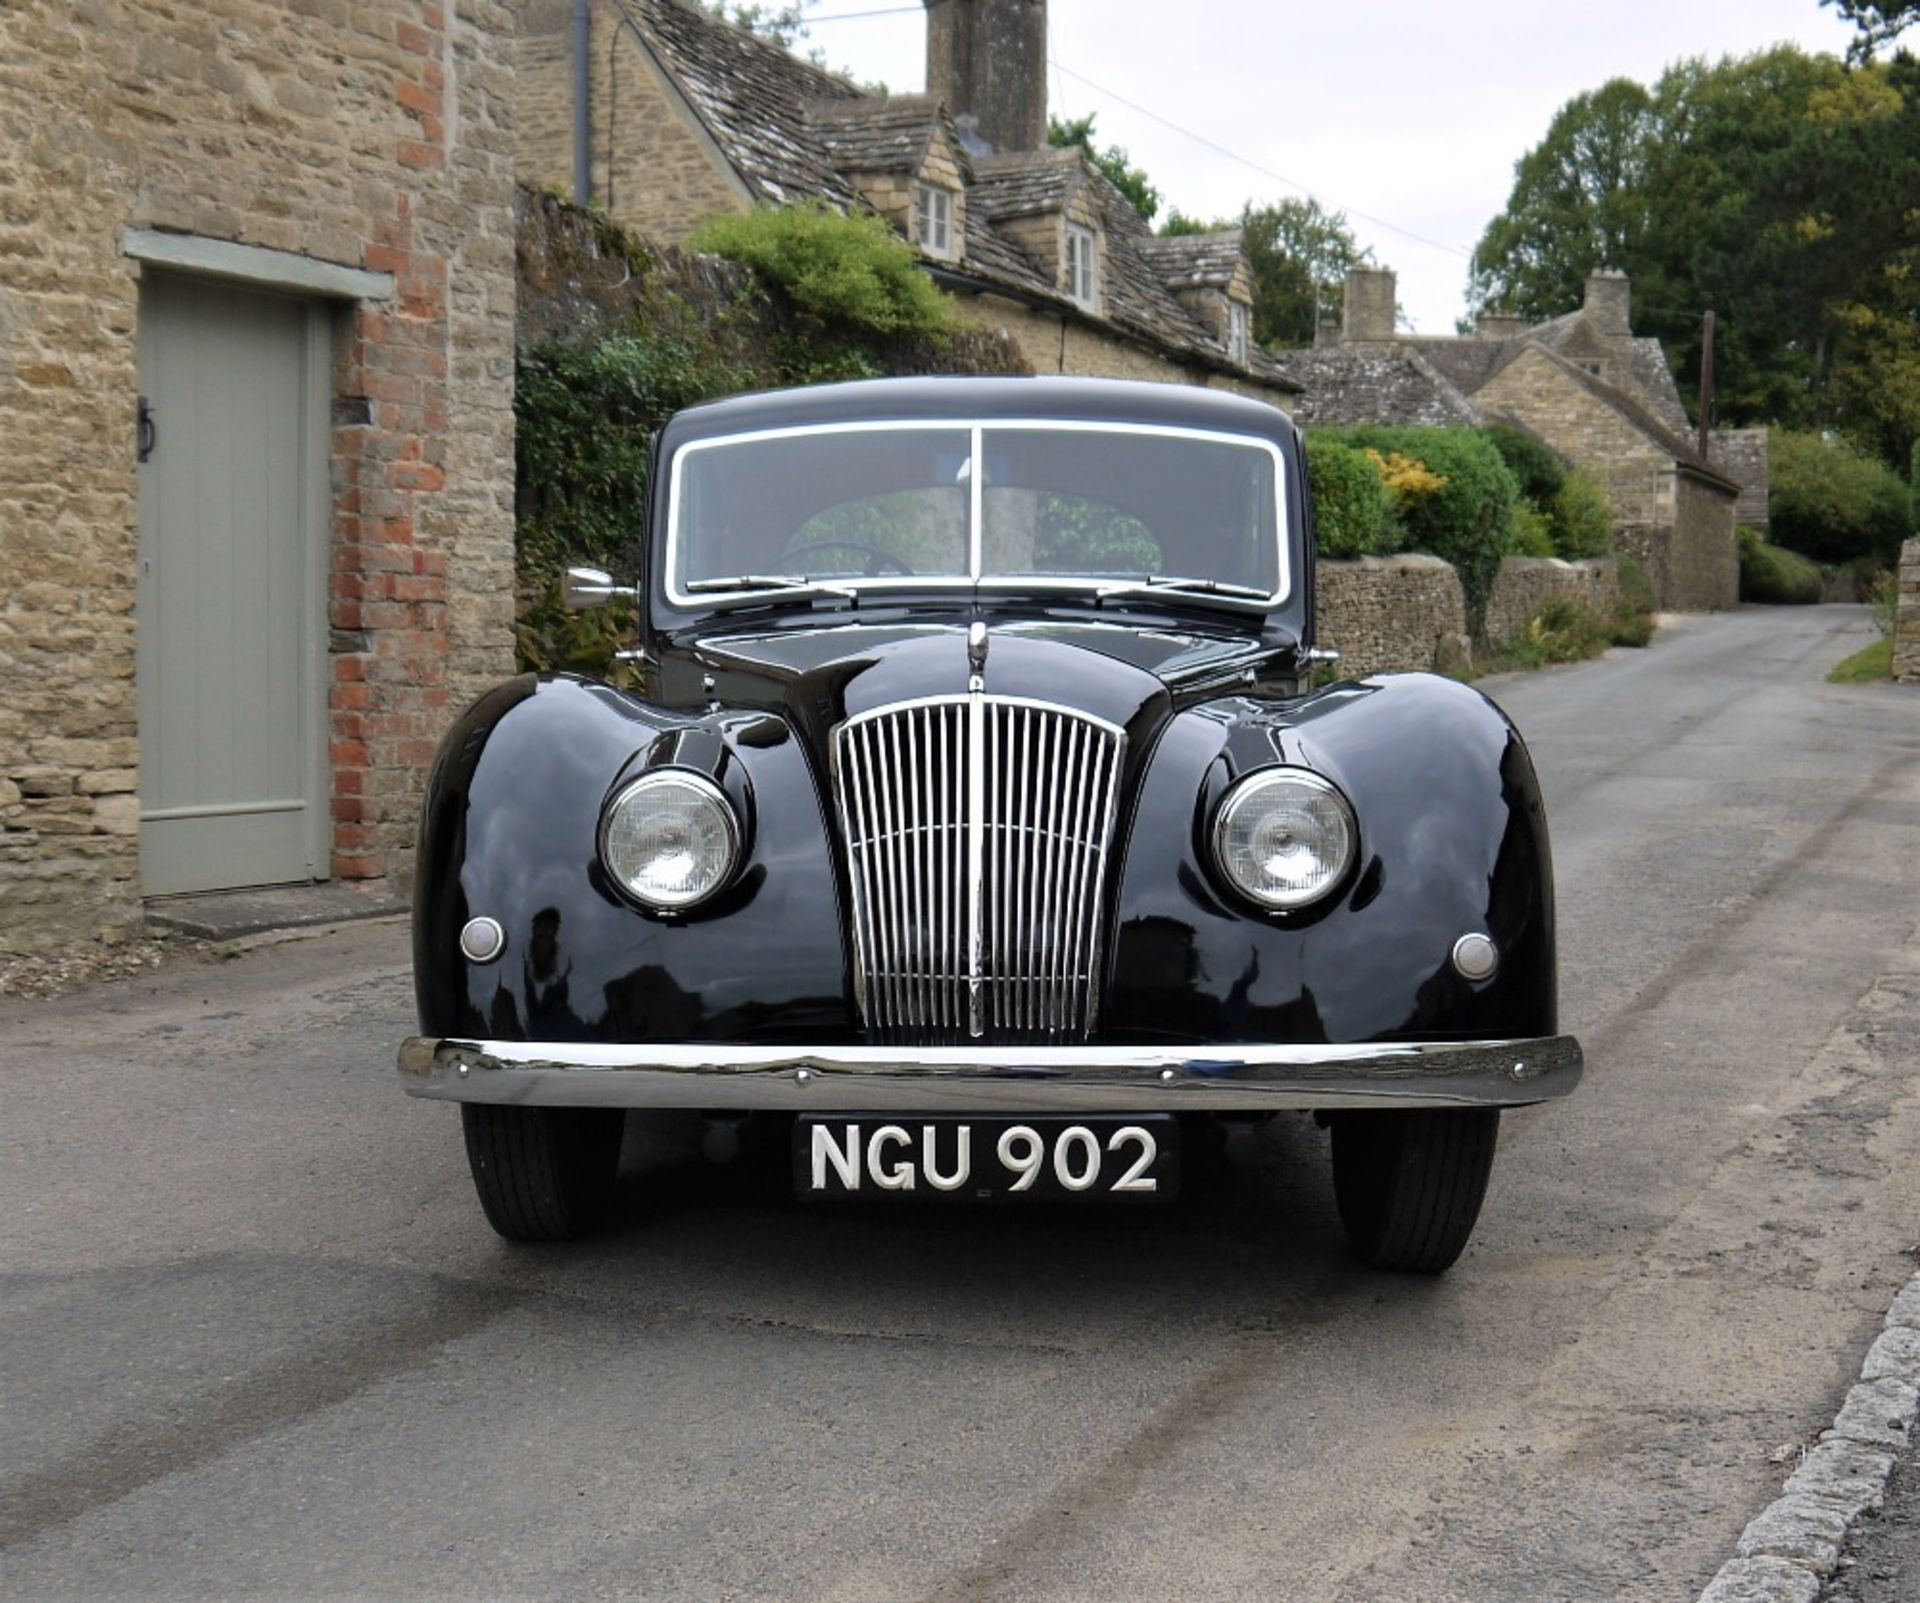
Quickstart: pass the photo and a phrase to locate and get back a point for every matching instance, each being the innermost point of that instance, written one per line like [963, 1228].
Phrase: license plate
[1056, 1158]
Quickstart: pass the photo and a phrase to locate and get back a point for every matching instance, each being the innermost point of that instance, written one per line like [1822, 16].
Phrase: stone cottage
[256, 311]
[1603, 397]
[687, 116]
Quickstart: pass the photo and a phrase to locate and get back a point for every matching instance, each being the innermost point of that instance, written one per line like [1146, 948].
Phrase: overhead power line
[1266, 172]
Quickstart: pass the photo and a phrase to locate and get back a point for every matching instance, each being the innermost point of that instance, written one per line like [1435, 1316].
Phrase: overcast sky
[1412, 112]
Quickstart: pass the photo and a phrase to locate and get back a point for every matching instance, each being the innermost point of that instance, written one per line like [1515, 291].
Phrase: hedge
[1468, 519]
[1350, 503]
[1833, 502]
[1774, 576]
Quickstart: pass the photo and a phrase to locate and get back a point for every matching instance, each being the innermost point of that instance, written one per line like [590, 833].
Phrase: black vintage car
[978, 817]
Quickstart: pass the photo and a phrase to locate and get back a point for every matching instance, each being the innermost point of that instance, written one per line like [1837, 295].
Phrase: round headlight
[670, 838]
[1284, 837]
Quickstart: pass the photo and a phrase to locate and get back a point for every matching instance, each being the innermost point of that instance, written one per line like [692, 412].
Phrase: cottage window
[1082, 279]
[1237, 319]
[933, 219]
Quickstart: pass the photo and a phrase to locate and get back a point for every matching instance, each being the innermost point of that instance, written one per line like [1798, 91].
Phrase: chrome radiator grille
[977, 831]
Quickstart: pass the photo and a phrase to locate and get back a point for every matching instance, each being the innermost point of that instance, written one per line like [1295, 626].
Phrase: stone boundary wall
[1393, 614]
[1389, 613]
[1906, 623]
[1526, 584]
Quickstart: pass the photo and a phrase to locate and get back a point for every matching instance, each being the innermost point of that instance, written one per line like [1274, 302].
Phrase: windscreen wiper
[1160, 582]
[798, 583]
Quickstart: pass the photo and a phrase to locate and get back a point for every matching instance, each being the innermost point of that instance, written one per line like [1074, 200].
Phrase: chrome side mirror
[583, 589]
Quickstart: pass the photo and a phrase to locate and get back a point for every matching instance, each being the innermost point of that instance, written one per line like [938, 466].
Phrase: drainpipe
[582, 122]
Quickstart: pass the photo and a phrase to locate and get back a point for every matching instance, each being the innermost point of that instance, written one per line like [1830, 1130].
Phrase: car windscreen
[1058, 505]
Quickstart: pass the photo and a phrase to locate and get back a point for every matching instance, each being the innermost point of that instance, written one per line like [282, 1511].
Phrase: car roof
[1075, 399]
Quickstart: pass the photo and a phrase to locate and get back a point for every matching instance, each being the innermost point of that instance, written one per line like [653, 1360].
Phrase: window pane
[1125, 505]
[856, 503]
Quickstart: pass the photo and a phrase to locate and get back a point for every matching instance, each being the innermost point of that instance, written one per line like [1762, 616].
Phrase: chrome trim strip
[1404, 1074]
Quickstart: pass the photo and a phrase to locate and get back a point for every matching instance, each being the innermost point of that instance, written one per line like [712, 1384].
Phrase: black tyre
[1410, 1183]
[543, 1174]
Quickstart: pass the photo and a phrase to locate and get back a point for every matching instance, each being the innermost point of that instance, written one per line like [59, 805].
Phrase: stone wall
[1906, 625]
[655, 169]
[1741, 454]
[374, 137]
[1391, 613]
[1524, 585]
[1703, 557]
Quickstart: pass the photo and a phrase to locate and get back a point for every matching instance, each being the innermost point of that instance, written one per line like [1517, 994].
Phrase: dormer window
[933, 219]
[1238, 318]
[1082, 267]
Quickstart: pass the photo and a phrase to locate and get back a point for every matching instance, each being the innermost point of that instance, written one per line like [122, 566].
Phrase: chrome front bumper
[1061, 1079]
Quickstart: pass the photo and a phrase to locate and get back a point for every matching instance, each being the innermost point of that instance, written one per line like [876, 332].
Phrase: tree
[1876, 22]
[1299, 253]
[1775, 188]
[1127, 178]
[1578, 203]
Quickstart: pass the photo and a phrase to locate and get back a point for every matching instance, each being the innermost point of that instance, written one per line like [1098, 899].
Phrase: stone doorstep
[228, 915]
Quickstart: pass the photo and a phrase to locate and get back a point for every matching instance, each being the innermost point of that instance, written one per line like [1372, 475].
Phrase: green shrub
[1467, 519]
[1350, 503]
[844, 268]
[1832, 502]
[1776, 577]
[1631, 622]
[1529, 534]
[584, 416]
[1535, 467]
[1581, 518]
[1567, 631]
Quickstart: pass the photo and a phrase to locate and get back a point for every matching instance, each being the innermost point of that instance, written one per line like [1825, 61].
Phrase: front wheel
[543, 1174]
[1410, 1182]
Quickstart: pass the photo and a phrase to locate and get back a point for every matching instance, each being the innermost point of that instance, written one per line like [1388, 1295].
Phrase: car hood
[822, 674]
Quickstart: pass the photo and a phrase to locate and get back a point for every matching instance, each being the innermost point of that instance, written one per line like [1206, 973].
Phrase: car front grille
[977, 831]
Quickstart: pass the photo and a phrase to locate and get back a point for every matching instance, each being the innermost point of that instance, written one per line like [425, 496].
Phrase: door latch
[146, 435]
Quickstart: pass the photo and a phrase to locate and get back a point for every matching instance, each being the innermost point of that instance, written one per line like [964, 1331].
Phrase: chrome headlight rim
[656, 779]
[1240, 793]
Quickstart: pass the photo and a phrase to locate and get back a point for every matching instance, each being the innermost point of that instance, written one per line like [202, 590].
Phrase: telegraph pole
[1706, 381]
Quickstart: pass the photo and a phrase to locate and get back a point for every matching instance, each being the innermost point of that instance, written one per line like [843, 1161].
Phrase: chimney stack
[1372, 297]
[1609, 303]
[987, 61]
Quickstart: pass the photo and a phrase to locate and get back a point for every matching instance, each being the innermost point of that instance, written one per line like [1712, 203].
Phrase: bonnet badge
[977, 648]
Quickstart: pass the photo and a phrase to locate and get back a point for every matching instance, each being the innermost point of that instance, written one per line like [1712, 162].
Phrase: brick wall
[1524, 585]
[368, 136]
[1906, 625]
[1390, 613]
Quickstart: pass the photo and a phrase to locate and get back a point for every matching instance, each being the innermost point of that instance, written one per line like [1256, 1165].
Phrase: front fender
[1453, 838]
[508, 831]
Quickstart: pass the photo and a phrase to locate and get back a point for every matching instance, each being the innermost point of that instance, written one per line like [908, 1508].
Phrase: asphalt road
[255, 1338]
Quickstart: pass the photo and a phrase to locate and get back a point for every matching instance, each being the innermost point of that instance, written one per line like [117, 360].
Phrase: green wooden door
[231, 600]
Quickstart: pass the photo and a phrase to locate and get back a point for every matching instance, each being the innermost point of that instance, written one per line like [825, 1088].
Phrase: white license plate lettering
[1076, 1173]
[1021, 1152]
[1136, 1178]
[858, 1156]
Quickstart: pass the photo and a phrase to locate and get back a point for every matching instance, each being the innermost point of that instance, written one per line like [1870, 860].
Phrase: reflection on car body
[979, 783]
